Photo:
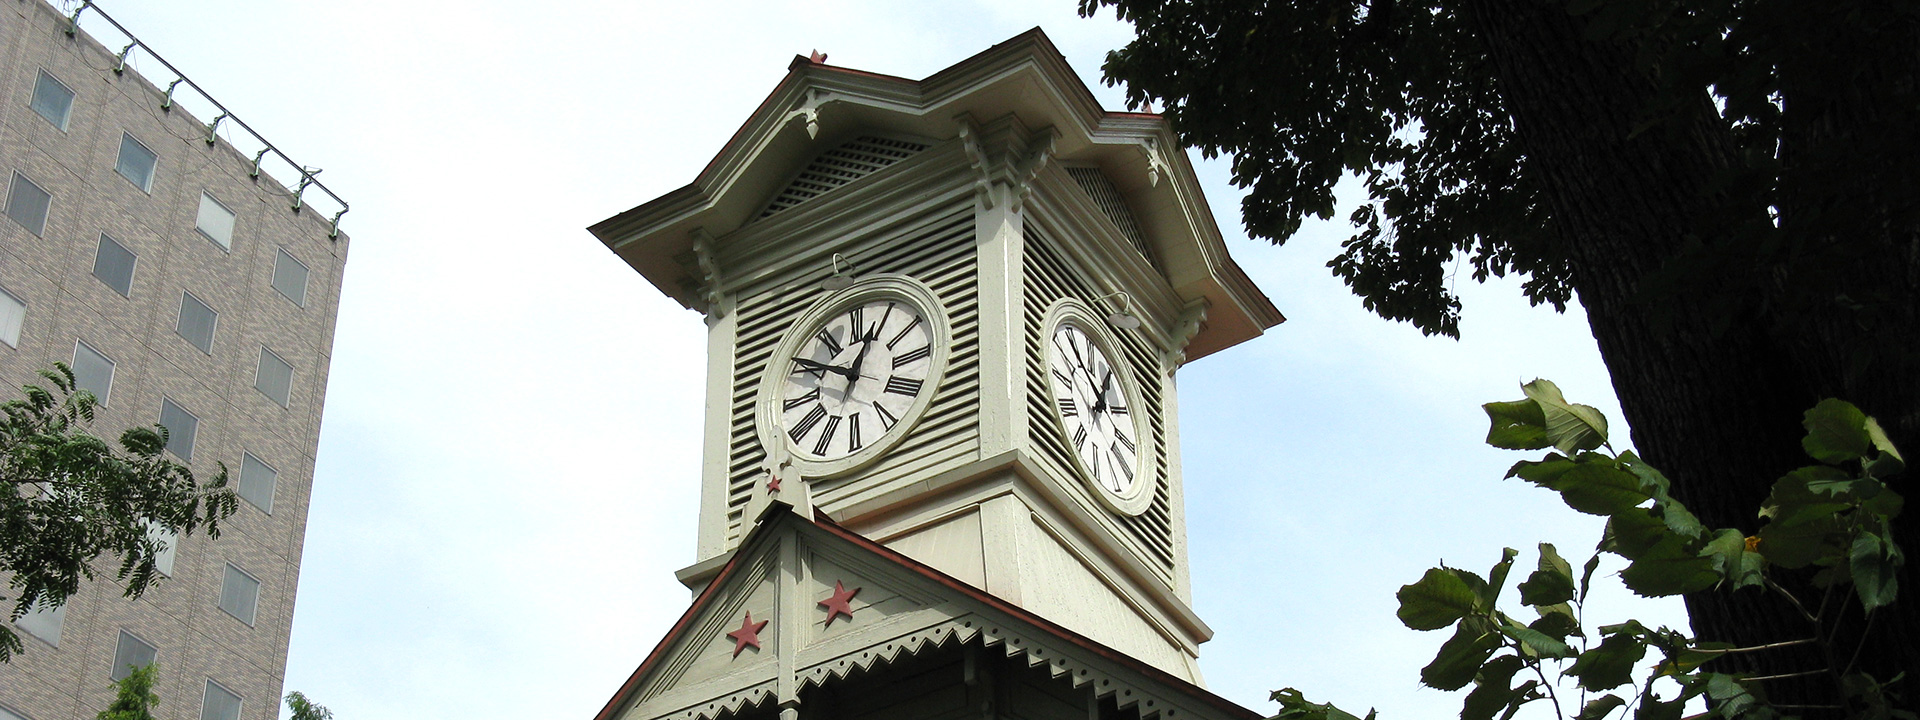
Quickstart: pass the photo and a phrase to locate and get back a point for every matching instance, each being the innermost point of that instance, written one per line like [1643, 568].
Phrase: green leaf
[1491, 689]
[1543, 471]
[1437, 600]
[1651, 708]
[1489, 594]
[1732, 697]
[1631, 534]
[1536, 643]
[1803, 540]
[1599, 707]
[1295, 706]
[1836, 432]
[1517, 425]
[1462, 656]
[1888, 462]
[1552, 584]
[1875, 565]
[1570, 427]
[1669, 568]
[1586, 574]
[1610, 664]
[1728, 551]
[1557, 621]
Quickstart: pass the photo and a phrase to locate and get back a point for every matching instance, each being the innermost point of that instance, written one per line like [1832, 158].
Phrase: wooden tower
[941, 452]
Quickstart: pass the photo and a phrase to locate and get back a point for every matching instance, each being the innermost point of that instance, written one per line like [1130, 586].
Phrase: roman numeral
[811, 396]
[903, 332]
[853, 432]
[887, 419]
[826, 435]
[1121, 435]
[1079, 436]
[1120, 461]
[904, 386]
[806, 424]
[1068, 408]
[1117, 409]
[856, 327]
[826, 339]
[911, 355]
[1063, 377]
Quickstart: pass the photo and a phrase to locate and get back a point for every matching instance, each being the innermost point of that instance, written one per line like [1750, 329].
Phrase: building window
[92, 371]
[239, 594]
[27, 204]
[215, 221]
[219, 703]
[290, 278]
[43, 622]
[113, 264]
[256, 482]
[13, 313]
[53, 100]
[181, 426]
[274, 377]
[130, 654]
[169, 542]
[197, 322]
[136, 163]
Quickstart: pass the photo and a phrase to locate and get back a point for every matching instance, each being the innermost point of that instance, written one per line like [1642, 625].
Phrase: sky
[508, 469]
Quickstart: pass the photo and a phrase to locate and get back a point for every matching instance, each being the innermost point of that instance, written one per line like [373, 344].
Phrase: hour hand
[823, 367]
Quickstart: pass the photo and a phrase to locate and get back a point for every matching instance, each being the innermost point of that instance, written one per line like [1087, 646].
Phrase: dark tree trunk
[1715, 404]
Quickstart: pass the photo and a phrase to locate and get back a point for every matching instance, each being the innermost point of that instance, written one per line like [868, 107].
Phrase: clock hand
[1106, 384]
[835, 369]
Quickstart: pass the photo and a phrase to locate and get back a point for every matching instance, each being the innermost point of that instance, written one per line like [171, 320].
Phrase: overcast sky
[508, 469]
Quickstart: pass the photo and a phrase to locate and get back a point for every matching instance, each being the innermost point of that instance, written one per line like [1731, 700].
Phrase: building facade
[942, 472]
[184, 289]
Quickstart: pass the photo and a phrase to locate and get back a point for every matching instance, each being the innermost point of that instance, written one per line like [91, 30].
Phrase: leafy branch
[75, 498]
[1832, 520]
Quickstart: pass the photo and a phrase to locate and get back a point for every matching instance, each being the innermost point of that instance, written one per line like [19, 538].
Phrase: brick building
[184, 289]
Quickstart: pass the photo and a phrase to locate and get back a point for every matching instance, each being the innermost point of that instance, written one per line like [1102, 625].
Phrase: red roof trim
[660, 650]
[1191, 690]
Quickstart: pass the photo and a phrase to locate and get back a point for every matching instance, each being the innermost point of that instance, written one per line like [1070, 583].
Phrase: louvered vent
[938, 252]
[1107, 197]
[1048, 277]
[839, 166]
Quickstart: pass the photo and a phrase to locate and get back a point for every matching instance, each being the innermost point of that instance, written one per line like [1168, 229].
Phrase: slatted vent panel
[939, 253]
[839, 166]
[1048, 277]
[1107, 197]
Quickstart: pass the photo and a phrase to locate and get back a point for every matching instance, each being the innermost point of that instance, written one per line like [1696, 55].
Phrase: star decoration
[838, 604]
[748, 634]
[773, 482]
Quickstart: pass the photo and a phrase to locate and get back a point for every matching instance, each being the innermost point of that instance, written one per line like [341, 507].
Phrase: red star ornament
[773, 482]
[748, 634]
[839, 604]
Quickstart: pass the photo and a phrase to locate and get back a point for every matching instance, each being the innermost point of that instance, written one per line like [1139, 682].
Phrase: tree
[304, 709]
[1728, 188]
[134, 697]
[71, 498]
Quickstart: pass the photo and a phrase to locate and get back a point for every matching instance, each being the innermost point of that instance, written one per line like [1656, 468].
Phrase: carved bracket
[1191, 319]
[809, 109]
[1156, 164]
[712, 285]
[1005, 158]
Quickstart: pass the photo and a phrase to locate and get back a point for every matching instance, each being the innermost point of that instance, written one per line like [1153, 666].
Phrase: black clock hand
[847, 373]
[1100, 403]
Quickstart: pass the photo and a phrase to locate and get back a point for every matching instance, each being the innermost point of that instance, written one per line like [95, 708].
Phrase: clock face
[1093, 408]
[855, 378]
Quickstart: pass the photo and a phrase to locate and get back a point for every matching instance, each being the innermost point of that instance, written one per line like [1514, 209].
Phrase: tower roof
[1025, 76]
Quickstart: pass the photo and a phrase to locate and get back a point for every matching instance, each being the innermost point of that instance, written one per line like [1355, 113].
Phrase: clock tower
[945, 318]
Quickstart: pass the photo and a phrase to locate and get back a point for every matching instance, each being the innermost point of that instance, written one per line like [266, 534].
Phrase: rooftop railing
[307, 181]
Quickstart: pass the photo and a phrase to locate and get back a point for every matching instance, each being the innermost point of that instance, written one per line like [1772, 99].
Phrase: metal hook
[167, 104]
[122, 67]
[256, 161]
[73, 23]
[214, 126]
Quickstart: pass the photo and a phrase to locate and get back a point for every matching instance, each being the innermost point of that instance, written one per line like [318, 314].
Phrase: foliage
[304, 709]
[134, 698]
[72, 498]
[1832, 520]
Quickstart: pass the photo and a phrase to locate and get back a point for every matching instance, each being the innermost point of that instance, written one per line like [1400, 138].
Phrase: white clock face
[855, 378]
[1092, 408]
